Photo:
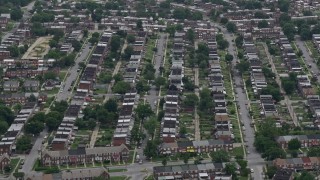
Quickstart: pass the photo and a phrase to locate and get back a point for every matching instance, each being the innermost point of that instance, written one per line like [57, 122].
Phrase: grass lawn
[13, 163]
[100, 91]
[149, 177]
[118, 177]
[237, 151]
[149, 51]
[117, 170]
[53, 91]
[62, 74]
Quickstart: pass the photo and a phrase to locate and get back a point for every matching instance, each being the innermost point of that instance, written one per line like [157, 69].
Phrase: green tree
[14, 51]
[118, 77]
[131, 38]
[283, 5]
[53, 43]
[7, 168]
[111, 105]
[220, 156]
[190, 35]
[294, 144]
[243, 66]
[151, 149]
[159, 81]
[223, 44]
[93, 40]
[76, 45]
[263, 24]
[37, 29]
[121, 87]
[3, 126]
[191, 100]
[288, 85]
[274, 91]
[164, 161]
[128, 52]
[228, 57]
[115, 43]
[239, 41]
[34, 127]
[16, 14]
[143, 111]
[52, 123]
[231, 169]
[231, 27]
[306, 176]
[150, 125]
[139, 24]
[23, 143]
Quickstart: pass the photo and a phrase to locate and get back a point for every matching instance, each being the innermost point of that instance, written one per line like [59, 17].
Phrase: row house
[66, 129]
[122, 133]
[25, 72]
[170, 122]
[11, 86]
[268, 108]
[66, 48]
[257, 77]
[316, 41]
[288, 55]
[190, 171]
[21, 98]
[133, 68]
[222, 126]
[313, 102]
[69, 27]
[3, 22]
[305, 140]
[80, 156]
[298, 164]
[26, 63]
[304, 86]
[177, 70]
[8, 140]
[266, 33]
[203, 146]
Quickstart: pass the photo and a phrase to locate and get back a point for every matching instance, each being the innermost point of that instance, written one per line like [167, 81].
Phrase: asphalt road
[307, 58]
[140, 171]
[34, 153]
[64, 94]
[254, 159]
[153, 96]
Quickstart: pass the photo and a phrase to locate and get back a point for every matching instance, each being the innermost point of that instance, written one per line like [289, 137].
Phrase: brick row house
[79, 156]
[298, 164]
[190, 171]
[89, 75]
[203, 146]
[305, 140]
[313, 102]
[8, 140]
[268, 108]
[288, 55]
[122, 133]
[257, 77]
[66, 129]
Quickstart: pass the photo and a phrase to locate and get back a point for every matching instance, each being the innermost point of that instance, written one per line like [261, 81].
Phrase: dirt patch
[38, 49]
